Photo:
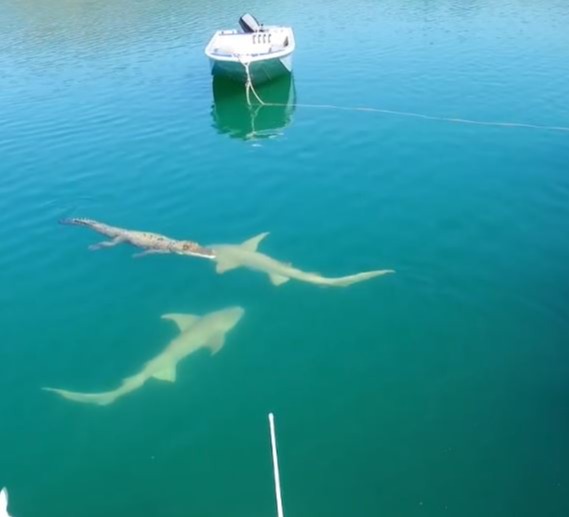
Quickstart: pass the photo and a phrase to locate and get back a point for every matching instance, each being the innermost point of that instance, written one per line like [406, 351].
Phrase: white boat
[257, 52]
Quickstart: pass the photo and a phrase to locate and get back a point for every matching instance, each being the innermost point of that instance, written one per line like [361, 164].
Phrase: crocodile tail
[78, 221]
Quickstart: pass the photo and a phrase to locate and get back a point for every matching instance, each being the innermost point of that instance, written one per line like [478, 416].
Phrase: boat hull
[233, 115]
[261, 71]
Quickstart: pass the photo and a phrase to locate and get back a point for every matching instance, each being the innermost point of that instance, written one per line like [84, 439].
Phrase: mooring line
[455, 120]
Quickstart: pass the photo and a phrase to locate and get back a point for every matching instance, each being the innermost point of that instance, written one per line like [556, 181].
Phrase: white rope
[276, 466]
[455, 120]
[424, 116]
[249, 84]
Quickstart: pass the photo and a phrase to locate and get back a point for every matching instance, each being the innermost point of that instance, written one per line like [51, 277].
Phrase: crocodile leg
[106, 244]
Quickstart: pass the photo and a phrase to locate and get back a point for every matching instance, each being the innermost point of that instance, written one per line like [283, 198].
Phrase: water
[441, 390]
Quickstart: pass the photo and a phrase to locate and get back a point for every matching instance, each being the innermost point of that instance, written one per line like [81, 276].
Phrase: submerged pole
[276, 466]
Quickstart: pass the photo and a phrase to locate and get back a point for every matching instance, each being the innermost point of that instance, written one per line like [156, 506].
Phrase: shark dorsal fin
[183, 321]
[168, 374]
[253, 243]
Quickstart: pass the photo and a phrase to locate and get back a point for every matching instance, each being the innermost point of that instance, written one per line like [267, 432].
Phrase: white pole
[276, 466]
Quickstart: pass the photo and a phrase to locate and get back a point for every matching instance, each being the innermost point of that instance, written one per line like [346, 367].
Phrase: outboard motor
[249, 23]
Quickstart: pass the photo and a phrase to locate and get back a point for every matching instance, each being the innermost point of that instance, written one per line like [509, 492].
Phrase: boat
[253, 54]
[235, 116]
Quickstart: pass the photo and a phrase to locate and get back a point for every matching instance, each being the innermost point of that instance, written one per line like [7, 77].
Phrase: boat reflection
[233, 115]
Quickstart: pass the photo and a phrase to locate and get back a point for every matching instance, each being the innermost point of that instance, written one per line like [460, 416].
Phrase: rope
[455, 120]
[423, 116]
[249, 84]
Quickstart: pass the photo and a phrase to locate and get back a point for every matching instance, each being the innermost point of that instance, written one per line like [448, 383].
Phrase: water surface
[441, 390]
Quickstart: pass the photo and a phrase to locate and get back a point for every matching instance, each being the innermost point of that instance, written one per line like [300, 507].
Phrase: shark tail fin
[101, 399]
[104, 398]
[4, 503]
[345, 281]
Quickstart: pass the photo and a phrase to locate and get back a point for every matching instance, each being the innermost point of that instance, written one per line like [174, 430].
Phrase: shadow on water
[233, 115]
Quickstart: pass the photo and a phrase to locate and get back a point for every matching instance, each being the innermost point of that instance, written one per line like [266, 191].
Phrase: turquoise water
[440, 390]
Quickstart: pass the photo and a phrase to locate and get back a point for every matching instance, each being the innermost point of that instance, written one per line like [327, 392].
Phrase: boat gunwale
[251, 57]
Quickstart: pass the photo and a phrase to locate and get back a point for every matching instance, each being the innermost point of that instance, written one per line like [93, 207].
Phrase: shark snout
[238, 313]
[234, 314]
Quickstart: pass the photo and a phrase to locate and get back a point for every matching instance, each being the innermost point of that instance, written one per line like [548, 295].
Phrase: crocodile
[151, 243]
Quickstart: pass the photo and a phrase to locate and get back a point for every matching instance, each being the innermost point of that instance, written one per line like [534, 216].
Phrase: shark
[151, 243]
[195, 333]
[4, 503]
[228, 257]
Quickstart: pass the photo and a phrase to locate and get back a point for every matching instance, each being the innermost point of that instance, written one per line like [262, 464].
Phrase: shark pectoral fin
[253, 243]
[183, 321]
[278, 279]
[168, 374]
[224, 265]
[216, 343]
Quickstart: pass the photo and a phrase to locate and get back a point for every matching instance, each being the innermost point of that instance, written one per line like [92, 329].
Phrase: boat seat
[249, 23]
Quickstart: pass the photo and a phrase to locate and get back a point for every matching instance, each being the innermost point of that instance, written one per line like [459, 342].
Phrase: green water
[440, 390]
